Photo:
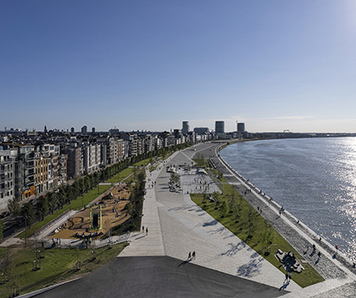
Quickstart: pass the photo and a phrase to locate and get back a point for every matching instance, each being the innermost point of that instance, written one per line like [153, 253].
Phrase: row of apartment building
[31, 165]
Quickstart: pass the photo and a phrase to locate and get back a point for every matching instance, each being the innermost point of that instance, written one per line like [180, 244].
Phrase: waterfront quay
[159, 261]
[337, 270]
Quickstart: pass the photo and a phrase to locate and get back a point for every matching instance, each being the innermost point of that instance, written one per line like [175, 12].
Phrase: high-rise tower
[185, 128]
[219, 127]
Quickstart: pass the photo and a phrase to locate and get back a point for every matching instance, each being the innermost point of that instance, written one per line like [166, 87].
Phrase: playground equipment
[95, 218]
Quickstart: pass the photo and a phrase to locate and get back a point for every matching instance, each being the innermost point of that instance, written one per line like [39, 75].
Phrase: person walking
[189, 256]
[193, 255]
[146, 231]
[143, 229]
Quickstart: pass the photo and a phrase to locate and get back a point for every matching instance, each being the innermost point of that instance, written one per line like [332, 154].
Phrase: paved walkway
[177, 226]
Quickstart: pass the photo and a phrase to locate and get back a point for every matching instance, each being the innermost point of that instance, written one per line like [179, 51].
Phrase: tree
[14, 206]
[42, 207]
[2, 227]
[175, 178]
[266, 237]
[224, 208]
[81, 186]
[28, 213]
[251, 222]
[52, 201]
[76, 188]
[216, 197]
[86, 183]
[69, 193]
[61, 196]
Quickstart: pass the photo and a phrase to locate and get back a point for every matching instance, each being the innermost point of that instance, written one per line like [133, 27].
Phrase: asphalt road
[160, 277]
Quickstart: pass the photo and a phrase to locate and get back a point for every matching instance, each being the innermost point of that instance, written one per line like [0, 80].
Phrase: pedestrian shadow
[255, 255]
[199, 210]
[143, 236]
[218, 231]
[234, 248]
[251, 269]
[185, 262]
[230, 236]
[184, 207]
[211, 223]
[285, 285]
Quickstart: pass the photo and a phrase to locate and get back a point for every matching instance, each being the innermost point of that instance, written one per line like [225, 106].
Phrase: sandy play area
[110, 218]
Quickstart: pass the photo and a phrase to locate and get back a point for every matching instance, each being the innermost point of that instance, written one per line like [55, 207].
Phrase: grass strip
[237, 215]
[57, 265]
[120, 176]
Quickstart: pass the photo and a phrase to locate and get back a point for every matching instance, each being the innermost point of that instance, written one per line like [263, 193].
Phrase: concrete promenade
[177, 226]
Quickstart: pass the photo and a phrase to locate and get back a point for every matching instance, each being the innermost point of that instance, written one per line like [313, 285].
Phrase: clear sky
[149, 65]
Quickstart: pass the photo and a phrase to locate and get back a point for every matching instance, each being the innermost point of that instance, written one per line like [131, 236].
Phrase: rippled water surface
[314, 179]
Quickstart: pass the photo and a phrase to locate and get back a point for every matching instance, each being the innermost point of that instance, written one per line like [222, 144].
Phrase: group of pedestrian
[281, 210]
[56, 241]
[246, 191]
[288, 276]
[143, 230]
[314, 249]
[191, 255]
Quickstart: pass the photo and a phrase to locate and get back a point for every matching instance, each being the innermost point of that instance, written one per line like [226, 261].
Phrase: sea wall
[287, 215]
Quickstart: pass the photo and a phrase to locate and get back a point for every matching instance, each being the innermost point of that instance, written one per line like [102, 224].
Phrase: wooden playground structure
[106, 212]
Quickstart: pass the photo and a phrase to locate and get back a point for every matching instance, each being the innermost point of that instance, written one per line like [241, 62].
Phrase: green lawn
[143, 163]
[88, 197]
[57, 265]
[120, 176]
[125, 173]
[246, 223]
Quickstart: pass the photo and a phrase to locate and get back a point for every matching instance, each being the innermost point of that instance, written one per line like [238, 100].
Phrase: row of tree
[133, 207]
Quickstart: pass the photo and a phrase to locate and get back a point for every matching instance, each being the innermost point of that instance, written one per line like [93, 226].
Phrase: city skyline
[273, 65]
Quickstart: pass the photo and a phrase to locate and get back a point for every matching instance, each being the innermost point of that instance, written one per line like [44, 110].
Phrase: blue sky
[149, 65]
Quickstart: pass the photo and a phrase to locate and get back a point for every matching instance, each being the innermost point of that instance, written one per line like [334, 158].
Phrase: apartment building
[91, 157]
[41, 172]
[25, 171]
[7, 176]
[73, 161]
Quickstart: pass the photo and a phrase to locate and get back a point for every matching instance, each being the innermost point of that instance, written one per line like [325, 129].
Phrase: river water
[314, 179]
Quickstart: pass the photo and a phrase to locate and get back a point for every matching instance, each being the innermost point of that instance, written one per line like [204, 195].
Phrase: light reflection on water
[315, 179]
